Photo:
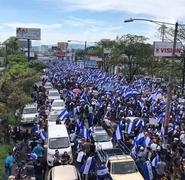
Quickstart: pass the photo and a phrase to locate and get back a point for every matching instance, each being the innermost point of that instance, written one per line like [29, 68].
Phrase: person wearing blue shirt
[8, 165]
[39, 150]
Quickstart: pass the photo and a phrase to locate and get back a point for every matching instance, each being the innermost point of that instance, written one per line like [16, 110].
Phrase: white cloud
[75, 21]
[32, 25]
[158, 8]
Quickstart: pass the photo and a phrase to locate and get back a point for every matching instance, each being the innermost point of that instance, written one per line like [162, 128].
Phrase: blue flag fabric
[43, 135]
[118, 134]
[147, 170]
[85, 133]
[64, 114]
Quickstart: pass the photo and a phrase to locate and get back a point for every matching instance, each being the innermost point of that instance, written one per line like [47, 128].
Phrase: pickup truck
[120, 166]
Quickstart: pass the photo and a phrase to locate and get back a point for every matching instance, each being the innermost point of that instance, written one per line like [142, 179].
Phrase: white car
[48, 86]
[64, 172]
[58, 105]
[53, 94]
[29, 113]
[101, 139]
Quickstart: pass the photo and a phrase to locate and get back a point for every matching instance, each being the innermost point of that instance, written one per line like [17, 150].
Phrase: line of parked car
[120, 164]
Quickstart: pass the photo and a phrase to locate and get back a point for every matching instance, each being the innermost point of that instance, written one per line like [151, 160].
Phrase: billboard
[62, 45]
[28, 33]
[165, 49]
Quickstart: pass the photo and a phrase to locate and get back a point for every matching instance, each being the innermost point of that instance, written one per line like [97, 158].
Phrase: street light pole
[169, 94]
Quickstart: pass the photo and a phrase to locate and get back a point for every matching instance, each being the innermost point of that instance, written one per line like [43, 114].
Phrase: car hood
[131, 176]
[61, 151]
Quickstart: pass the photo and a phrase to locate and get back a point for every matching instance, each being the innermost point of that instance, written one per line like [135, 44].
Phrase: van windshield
[59, 143]
[29, 111]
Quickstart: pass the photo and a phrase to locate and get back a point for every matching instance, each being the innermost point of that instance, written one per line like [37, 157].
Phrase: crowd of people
[94, 98]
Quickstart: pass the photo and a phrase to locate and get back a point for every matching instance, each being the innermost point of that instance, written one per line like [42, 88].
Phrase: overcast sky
[90, 20]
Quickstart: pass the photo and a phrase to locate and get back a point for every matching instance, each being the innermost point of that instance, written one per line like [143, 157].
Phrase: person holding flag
[103, 173]
[88, 168]
[118, 135]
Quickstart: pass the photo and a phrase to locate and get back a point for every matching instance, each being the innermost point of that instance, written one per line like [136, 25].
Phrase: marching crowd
[94, 98]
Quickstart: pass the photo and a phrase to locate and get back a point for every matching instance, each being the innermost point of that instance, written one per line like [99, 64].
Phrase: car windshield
[123, 167]
[58, 104]
[29, 111]
[101, 138]
[54, 93]
[52, 117]
[58, 143]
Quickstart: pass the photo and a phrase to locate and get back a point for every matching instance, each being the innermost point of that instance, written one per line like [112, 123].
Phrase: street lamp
[167, 113]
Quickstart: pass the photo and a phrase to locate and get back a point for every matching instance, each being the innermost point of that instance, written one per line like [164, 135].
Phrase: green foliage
[133, 52]
[37, 65]
[11, 45]
[17, 81]
[17, 58]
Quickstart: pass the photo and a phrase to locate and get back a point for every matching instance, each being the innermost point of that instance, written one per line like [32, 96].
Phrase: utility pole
[28, 50]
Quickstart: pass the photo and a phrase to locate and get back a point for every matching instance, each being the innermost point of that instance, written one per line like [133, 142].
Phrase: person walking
[38, 170]
[8, 165]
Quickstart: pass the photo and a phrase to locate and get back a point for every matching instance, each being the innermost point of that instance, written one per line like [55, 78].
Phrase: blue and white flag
[85, 133]
[147, 170]
[131, 93]
[140, 123]
[33, 155]
[89, 165]
[148, 142]
[118, 134]
[36, 128]
[155, 161]
[63, 114]
[140, 140]
[43, 135]
[102, 172]
[129, 127]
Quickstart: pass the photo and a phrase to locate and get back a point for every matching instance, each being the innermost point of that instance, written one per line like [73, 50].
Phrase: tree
[132, 52]
[11, 45]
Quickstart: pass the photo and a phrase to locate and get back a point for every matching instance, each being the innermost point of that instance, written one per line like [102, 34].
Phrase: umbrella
[77, 91]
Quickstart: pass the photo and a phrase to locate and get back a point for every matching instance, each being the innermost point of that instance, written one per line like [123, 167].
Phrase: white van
[58, 139]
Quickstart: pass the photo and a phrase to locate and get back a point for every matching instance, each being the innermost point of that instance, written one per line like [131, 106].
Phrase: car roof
[53, 90]
[33, 105]
[53, 113]
[57, 130]
[67, 172]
